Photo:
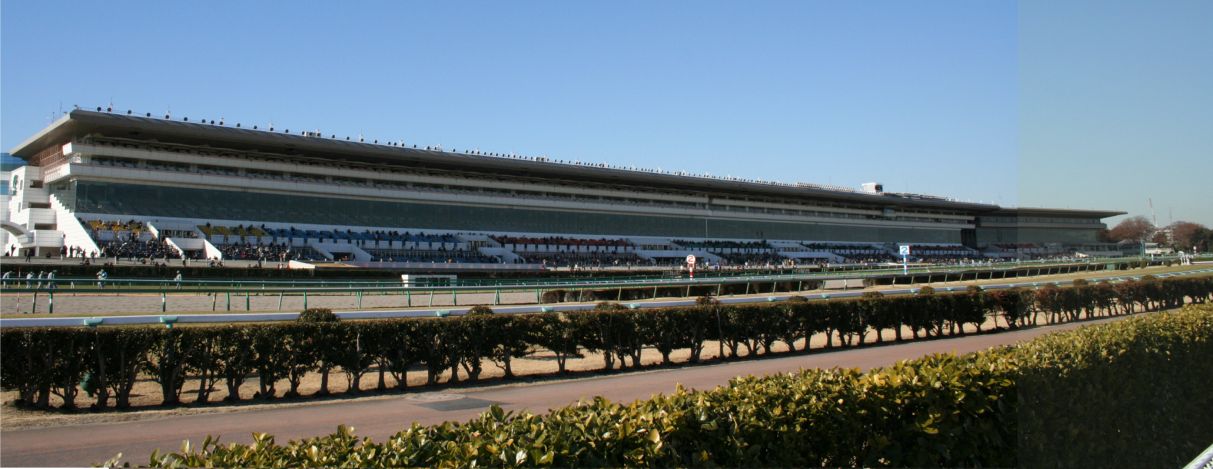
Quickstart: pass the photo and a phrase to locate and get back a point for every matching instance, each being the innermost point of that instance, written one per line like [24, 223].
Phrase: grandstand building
[98, 181]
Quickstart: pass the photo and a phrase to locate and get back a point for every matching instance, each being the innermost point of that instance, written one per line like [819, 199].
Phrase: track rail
[441, 312]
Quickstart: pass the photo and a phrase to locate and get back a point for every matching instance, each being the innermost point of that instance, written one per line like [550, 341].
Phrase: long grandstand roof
[1054, 212]
[79, 123]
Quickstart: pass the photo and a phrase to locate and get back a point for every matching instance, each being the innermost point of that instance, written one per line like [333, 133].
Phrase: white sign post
[691, 264]
[904, 250]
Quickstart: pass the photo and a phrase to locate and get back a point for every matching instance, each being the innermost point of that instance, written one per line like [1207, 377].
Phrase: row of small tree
[107, 362]
[1130, 393]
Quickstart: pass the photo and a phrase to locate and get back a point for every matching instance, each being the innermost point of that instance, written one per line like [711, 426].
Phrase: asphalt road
[86, 444]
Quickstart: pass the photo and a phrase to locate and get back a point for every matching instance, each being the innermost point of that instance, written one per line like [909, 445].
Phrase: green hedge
[1131, 394]
[41, 362]
[1126, 394]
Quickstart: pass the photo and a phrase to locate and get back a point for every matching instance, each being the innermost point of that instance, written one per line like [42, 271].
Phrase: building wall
[164, 201]
[4, 196]
[1037, 228]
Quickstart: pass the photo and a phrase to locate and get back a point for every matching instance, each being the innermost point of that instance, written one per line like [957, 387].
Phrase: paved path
[86, 444]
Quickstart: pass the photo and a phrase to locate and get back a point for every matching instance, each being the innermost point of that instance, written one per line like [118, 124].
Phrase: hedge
[1127, 394]
[1130, 394]
[41, 362]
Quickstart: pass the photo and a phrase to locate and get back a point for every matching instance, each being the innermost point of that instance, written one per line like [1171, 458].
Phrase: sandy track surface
[68, 303]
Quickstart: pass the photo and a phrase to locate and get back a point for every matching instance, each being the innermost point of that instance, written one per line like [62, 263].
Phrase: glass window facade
[1055, 220]
[164, 201]
[1035, 235]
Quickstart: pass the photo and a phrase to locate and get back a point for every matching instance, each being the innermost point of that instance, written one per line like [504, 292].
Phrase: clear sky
[1082, 104]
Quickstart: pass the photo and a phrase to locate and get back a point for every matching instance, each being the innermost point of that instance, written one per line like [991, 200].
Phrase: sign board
[690, 259]
[903, 250]
[413, 280]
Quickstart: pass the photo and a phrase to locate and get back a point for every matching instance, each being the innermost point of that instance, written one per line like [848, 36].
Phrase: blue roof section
[9, 162]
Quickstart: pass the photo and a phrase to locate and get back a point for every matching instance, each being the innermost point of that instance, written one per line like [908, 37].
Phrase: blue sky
[1077, 104]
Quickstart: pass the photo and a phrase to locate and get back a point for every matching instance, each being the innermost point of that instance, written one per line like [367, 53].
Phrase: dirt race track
[379, 417]
[69, 303]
